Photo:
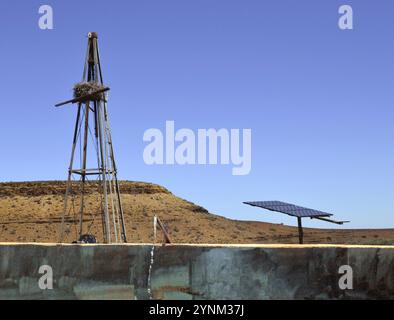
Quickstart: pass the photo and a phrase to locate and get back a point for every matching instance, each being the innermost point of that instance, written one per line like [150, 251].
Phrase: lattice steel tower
[92, 121]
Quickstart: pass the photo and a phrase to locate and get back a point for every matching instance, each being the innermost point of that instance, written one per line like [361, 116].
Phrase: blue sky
[319, 100]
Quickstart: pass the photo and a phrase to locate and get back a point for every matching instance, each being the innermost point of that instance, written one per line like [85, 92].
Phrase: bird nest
[89, 90]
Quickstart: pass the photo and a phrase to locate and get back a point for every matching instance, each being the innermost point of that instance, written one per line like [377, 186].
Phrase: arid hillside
[31, 212]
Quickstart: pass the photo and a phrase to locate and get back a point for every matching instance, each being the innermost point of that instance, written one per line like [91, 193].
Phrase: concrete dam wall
[195, 271]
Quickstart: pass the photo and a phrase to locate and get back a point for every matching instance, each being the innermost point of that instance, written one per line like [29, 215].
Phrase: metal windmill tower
[92, 121]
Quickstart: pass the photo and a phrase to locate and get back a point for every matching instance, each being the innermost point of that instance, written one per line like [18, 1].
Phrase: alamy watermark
[45, 21]
[204, 147]
[46, 280]
[345, 21]
[346, 281]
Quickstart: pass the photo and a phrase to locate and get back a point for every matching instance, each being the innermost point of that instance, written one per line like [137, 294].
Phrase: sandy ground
[31, 212]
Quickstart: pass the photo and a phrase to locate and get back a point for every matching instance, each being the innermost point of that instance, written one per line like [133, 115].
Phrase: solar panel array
[289, 209]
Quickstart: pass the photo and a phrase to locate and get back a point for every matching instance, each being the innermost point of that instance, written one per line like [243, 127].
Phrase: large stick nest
[88, 88]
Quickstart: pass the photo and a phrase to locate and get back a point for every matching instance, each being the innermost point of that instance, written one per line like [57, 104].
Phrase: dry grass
[31, 211]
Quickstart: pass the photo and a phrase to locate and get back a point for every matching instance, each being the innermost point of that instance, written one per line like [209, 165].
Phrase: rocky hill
[31, 212]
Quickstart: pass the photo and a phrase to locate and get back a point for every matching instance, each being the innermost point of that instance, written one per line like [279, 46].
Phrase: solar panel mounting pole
[300, 231]
[112, 217]
[294, 211]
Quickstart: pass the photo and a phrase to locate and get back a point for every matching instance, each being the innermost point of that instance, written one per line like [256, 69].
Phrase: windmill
[92, 133]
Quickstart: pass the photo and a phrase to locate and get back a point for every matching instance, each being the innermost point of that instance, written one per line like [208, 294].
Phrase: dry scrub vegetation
[31, 212]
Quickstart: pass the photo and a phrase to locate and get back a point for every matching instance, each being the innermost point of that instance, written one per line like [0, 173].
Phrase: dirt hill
[31, 212]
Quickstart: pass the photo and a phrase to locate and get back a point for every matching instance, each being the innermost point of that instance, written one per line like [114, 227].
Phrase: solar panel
[288, 208]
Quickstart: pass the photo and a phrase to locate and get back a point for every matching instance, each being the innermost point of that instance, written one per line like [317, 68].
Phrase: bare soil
[31, 212]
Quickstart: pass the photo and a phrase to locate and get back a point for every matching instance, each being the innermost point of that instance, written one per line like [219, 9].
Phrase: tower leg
[96, 135]
[103, 174]
[115, 178]
[70, 168]
[83, 169]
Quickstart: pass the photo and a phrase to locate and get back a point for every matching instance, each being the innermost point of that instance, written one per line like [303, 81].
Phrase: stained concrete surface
[196, 271]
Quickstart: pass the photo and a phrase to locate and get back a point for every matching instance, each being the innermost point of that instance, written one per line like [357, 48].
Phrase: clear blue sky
[319, 101]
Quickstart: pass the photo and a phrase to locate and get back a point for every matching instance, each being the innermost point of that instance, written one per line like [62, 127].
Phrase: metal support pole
[300, 231]
[83, 169]
[103, 176]
[70, 168]
[115, 172]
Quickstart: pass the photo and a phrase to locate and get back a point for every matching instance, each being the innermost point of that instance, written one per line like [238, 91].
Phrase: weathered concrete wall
[195, 271]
